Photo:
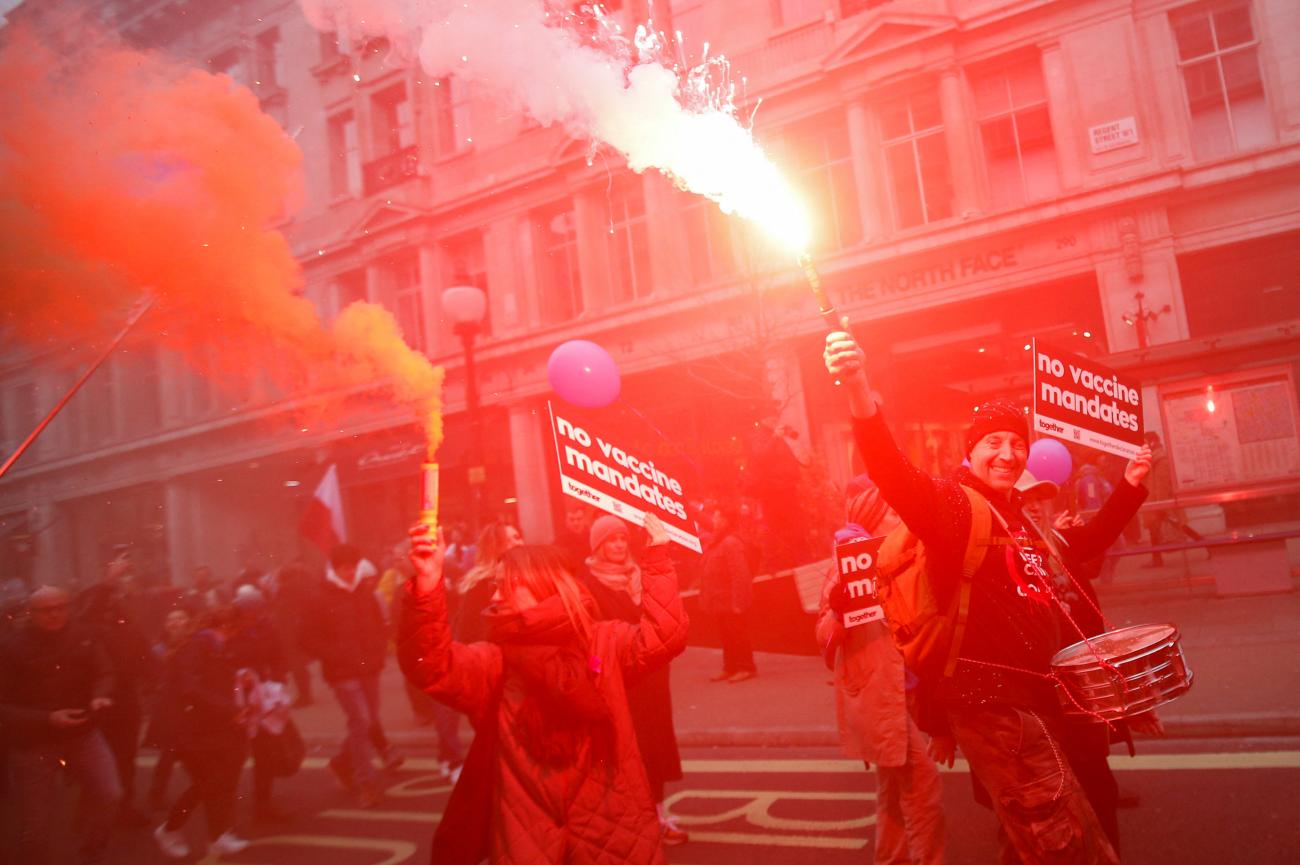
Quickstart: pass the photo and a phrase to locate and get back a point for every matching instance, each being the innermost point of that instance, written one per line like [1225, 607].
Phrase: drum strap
[977, 546]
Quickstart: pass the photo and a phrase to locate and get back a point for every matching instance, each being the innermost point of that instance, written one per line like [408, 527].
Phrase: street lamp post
[465, 306]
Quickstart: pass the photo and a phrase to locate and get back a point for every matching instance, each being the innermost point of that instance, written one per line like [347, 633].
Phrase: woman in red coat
[554, 774]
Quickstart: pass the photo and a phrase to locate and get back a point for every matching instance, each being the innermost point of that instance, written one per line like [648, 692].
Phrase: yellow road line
[1142, 762]
[382, 816]
[765, 839]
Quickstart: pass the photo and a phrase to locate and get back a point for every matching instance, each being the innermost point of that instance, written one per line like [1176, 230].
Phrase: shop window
[1016, 131]
[1218, 56]
[451, 107]
[629, 241]
[559, 279]
[916, 159]
[819, 150]
[345, 156]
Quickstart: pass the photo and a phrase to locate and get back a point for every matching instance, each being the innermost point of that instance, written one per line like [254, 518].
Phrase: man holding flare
[995, 700]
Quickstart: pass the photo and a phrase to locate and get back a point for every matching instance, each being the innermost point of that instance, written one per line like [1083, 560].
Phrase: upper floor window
[559, 278]
[708, 237]
[229, 63]
[788, 13]
[393, 122]
[1218, 54]
[269, 59]
[820, 152]
[402, 275]
[466, 264]
[451, 105]
[629, 241]
[349, 288]
[916, 158]
[345, 156]
[1016, 130]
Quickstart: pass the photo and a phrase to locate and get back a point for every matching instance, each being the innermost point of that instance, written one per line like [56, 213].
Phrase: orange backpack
[928, 637]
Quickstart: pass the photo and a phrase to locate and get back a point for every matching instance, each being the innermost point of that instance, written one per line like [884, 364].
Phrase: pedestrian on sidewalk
[994, 695]
[614, 579]
[55, 682]
[871, 707]
[347, 632]
[205, 718]
[1076, 549]
[727, 591]
[554, 774]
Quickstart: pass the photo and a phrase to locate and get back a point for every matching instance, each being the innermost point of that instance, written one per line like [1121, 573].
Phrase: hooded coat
[581, 797]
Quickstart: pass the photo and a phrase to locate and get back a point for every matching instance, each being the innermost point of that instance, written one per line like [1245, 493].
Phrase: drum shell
[1134, 682]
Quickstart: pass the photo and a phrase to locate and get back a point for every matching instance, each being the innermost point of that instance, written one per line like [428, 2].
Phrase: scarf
[625, 578]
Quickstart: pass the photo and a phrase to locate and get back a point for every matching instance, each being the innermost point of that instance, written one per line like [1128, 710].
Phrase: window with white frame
[629, 240]
[708, 238]
[345, 156]
[393, 123]
[1218, 55]
[230, 63]
[452, 117]
[402, 275]
[349, 288]
[559, 278]
[1016, 132]
[465, 263]
[819, 150]
[916, 159]
[269, 59]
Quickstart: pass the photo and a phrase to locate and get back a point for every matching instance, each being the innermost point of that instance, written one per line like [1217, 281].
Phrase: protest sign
[1080, 400]
[855, 562]
[600, 465]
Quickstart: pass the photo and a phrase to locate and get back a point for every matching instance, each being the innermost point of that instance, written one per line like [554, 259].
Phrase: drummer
[1077, 549]
[998, 705]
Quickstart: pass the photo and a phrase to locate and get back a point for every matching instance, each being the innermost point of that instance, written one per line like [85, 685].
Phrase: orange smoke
[123, 172]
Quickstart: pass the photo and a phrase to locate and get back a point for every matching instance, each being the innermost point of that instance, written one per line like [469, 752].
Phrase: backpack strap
[981, 529]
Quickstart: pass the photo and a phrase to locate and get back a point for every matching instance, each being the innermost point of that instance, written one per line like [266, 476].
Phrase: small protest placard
[600, 465]
[1079, 400]
[855, 562]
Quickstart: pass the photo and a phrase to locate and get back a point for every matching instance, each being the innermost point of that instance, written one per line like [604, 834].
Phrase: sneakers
[228, 844]
[722, 677]
[342, 773]
[172, 844]
[741, 676]
[451, 771]
[671, 834]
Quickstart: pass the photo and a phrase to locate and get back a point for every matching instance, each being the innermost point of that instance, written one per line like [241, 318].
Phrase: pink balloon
[1049, 460]
[583, 374]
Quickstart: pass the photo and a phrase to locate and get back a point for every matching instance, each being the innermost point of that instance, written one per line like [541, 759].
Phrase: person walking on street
[55, 682]
[1162, 490]
[727, 591]
[554, 774]
[871, 707]
[614, 579]
[206, 720]
[347, 632]
[993, 694]
[177, 628]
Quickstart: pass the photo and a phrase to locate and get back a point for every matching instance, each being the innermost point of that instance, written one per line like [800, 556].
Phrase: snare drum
[1144, 668]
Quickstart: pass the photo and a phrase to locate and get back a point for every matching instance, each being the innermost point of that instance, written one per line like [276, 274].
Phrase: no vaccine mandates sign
[1079, 400]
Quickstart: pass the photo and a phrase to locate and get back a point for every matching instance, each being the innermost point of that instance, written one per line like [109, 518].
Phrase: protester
[347, 632]
[1162, 490]
[994, 699]
[553, 775]
[460, 555]
[295, 591]
[206, 723]
[177, 628]
[871, 707]
[572, 539]
[476, 587]
[112, 609]
[1076, 548]
[256, 647]
[55, 684]
[206, 592]
[614, 580]
[727, 591]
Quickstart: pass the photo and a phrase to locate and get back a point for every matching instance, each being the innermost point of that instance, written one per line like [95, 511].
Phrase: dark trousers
[264, 748]
[36, 770]
[359, 699]
[737, 653]
[121, 729]
[1044, 815]
[1087, 744]
[214, 783]
[162, 776]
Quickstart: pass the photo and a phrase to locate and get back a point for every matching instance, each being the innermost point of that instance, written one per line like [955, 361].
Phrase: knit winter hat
[604, 528]
[867, 508]
[849, 532]
[998, 415]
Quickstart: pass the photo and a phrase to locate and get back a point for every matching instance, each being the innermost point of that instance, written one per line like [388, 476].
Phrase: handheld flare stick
[429, 496]
[824, 305]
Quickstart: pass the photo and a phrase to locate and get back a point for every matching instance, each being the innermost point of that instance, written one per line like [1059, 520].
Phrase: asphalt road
[1201, 803]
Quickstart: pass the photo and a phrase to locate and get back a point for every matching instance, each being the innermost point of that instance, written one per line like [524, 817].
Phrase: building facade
[1120, 177]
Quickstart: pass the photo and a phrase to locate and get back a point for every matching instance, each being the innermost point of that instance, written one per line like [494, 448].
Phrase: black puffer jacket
[346, 630]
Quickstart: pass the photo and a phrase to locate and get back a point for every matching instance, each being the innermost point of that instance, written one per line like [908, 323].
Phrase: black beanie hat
[997, 415]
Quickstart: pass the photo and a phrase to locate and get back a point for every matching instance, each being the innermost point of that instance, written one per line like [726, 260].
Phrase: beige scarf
[624, 578]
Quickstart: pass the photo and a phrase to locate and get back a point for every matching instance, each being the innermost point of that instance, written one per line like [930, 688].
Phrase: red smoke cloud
[121, 173]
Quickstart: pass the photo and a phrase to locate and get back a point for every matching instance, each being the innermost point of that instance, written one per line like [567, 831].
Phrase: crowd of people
[559, 657]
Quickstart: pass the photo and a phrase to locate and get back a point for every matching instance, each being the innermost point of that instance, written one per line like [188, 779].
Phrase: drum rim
[1174, 636]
